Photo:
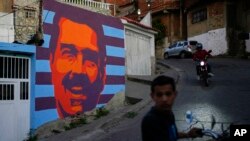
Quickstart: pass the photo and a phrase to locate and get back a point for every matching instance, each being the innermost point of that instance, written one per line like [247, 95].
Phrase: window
[24, 90]
[6, 92]
[180, 44]
[192, 42]
[30, 13]
[15, 68]
[199, 15]
[172, 46]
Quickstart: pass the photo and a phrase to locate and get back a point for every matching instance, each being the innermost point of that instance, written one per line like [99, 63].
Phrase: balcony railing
[100, 7]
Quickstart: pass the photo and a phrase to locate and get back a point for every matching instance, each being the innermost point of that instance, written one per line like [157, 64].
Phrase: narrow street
[227, 99]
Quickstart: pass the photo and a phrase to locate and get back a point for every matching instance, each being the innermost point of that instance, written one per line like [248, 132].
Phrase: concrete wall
[6, 27]
[101, 67]
[214, 40]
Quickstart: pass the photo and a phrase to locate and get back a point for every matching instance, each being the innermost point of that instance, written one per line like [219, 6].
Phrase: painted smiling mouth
[76, 89]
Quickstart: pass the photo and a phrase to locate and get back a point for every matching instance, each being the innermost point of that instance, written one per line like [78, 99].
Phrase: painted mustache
[76, 83]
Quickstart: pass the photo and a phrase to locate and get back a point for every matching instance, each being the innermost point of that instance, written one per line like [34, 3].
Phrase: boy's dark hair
[162, 80]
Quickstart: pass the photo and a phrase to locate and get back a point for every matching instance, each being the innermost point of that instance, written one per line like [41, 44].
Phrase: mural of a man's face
[76, 71]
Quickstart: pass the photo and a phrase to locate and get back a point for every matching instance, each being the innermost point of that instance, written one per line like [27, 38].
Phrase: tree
[159, 38]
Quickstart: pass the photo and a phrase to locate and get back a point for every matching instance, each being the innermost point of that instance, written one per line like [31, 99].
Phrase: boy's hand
[195, 132]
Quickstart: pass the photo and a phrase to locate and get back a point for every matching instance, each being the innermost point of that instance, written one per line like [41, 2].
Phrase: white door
[14, 98]
[8, 106]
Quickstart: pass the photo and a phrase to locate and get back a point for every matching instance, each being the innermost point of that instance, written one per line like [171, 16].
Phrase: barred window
[24, 90]
[6, 92]
[14, 67]
[199, 16]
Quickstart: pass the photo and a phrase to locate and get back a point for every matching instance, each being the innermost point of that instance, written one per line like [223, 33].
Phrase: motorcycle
[224, 135]
[203, 70]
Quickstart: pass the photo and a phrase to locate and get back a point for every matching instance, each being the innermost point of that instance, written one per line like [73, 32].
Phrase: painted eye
[69, 57]
[91, 64]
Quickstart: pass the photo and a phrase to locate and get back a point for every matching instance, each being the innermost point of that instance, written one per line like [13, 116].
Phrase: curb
[144, 81]
[148, 82]
[173, 68]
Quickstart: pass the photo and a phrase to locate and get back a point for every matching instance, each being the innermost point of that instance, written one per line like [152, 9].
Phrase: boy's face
[163, 96]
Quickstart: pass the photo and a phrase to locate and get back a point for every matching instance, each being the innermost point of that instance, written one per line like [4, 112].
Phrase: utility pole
[181, 19]
[40, 28]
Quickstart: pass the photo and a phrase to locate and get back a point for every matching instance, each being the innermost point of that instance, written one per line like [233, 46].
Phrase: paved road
[227, 98]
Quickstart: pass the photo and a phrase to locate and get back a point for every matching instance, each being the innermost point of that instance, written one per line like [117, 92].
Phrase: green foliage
[56, 131]
[101, 112]
[130, 114]
[67, 128]
[32, 136]
[159, 38]
[76, 123]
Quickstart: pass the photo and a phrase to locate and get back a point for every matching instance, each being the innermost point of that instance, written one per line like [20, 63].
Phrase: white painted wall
[6, 27]
[248, 45]
[140, 50]
[147, 20]
[137, 53]
[214, 40]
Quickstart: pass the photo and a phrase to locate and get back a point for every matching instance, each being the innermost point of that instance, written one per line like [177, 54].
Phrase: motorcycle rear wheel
[206, 82]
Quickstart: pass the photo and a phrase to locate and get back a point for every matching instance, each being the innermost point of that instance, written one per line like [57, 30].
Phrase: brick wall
[188, 3]
[216, 15]
[119, 2]
[215, 19]
[157, 5]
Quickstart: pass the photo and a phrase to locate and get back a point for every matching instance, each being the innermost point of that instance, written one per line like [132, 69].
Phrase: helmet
[199, 46]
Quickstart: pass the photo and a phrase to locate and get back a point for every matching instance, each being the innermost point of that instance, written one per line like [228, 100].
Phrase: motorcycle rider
[201, 54]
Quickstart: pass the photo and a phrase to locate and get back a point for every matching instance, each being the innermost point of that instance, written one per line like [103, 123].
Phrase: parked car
[181, 48]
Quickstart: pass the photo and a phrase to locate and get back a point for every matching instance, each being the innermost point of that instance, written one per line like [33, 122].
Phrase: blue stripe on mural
[115, 70]
[112, 89]
[48, 16]
[46, 38]
[115, 51]
[42, 66]
[100, 105]
[44, 91]
[44, 116]
[113, 32]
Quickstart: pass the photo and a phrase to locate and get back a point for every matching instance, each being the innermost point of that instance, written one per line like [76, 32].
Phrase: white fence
[105, 8]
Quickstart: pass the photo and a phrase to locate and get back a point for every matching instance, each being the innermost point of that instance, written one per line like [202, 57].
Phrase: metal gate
[14, 98]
